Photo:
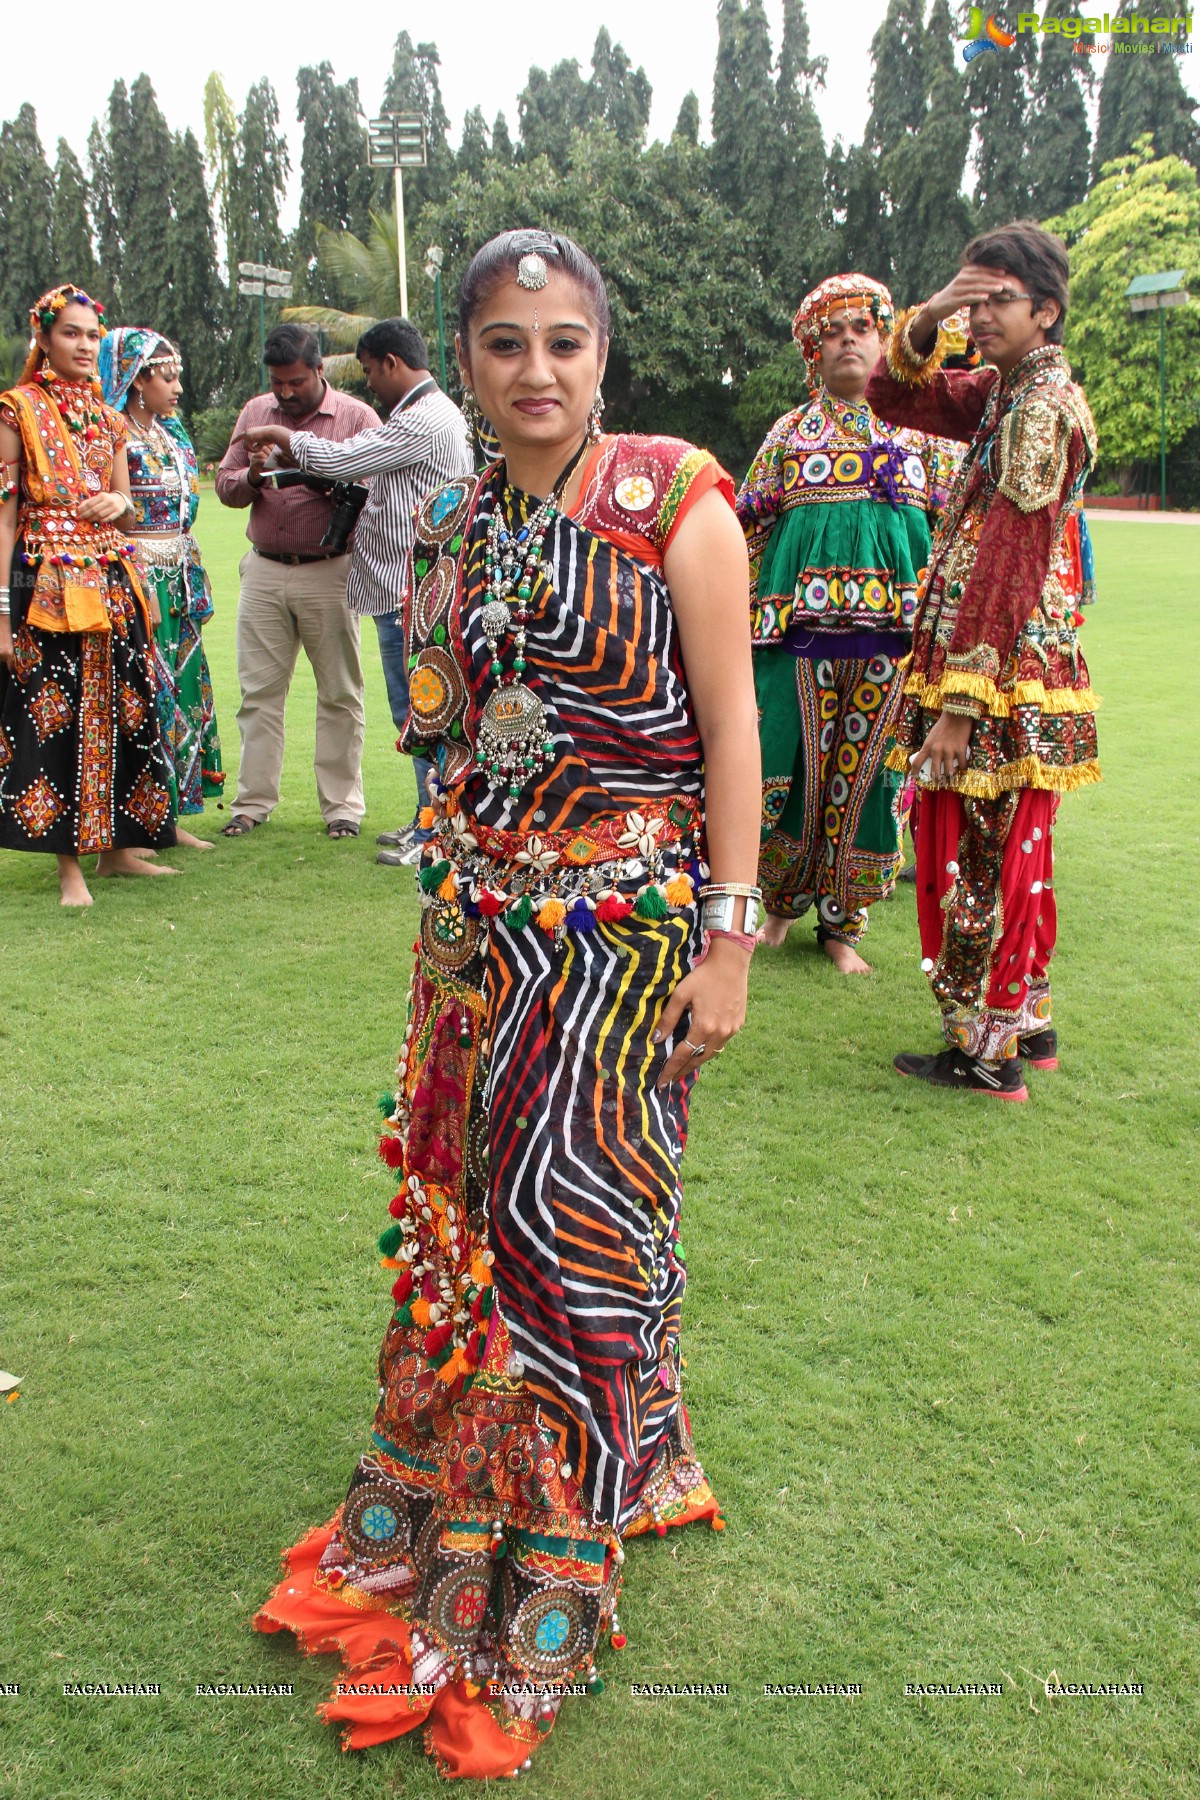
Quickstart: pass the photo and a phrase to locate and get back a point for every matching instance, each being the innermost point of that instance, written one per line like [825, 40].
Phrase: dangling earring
[471, 411]
[594, 428]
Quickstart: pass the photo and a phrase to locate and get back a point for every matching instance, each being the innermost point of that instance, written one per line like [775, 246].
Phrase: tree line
[708, 245]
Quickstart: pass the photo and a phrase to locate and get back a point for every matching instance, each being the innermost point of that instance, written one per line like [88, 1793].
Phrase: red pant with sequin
[985, 906]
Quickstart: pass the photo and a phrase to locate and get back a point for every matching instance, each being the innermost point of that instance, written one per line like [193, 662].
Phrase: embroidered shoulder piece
[643, 486]
[1032, 447]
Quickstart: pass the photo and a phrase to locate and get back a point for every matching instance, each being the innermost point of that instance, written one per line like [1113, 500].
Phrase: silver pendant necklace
[514, 744]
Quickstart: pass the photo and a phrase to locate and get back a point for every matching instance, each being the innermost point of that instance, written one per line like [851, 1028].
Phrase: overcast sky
[486, 51]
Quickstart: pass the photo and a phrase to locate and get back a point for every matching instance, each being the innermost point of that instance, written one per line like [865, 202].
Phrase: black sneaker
[1040, 1048]
[954, 1069]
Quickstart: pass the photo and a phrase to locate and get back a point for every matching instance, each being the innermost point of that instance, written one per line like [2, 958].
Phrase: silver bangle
[717, 913]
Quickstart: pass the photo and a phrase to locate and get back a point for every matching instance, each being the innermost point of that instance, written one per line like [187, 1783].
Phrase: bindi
[536, 327]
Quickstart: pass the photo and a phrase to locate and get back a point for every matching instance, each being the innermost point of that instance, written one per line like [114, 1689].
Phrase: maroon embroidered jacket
[995, 635]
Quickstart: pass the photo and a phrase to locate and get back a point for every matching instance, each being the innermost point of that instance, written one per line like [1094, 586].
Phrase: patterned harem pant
[985, 906]
[833, 817]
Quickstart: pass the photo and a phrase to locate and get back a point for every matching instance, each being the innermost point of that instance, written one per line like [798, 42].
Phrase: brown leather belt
[306, 557]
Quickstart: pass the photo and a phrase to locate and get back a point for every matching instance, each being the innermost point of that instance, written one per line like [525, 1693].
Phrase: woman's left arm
[707, 572]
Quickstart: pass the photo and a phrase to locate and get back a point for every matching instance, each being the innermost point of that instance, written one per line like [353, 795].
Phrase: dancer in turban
[836, 509]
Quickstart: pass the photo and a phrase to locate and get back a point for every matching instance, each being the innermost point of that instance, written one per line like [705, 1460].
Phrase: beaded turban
[841, 293]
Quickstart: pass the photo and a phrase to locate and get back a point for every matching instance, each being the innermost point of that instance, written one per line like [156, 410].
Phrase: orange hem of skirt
[461, 1733]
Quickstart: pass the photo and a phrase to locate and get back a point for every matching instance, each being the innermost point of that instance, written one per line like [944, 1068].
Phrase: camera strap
[428, 386]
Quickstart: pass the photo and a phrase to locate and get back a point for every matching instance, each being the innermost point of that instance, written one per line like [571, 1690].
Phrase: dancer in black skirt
[81, 763]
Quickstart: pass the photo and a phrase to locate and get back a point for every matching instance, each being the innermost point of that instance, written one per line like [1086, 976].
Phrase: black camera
[346, 498]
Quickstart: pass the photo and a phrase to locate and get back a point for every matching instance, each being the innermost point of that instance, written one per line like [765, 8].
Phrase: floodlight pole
[401, 250]
[392, 140]
[1154, 293]
[259, 280]
[437, 298]
[434, 258]
[1162, 408]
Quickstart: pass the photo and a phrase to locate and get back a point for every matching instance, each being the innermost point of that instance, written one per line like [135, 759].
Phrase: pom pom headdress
[43, 313]
[840, 293]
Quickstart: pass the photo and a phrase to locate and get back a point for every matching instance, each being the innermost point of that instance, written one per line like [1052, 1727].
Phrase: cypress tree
[28, 262]
[998, 92]
[104, 216]
[335, 182]
[221, 144]
[502, 144]
[474, 149]
[931, 220]
[196, 303]
[856, 202]
[744, 120]
[414, 86]
[74, 255]
[687, 125]
[259, 177]
[145, 221]
[618, 95]
[122, 180]
[1060, 139]
[725, 99]
[1142, 94]
[550, 108]
[255, 176]
[898, 82]
[800, 246]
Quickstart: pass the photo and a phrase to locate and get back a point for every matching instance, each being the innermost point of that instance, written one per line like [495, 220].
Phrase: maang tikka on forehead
[532, 272]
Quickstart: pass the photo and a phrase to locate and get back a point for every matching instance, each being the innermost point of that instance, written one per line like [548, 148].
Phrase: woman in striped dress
[580, 673]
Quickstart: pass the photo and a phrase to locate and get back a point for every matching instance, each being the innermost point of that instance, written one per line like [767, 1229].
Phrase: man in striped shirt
[422, 444]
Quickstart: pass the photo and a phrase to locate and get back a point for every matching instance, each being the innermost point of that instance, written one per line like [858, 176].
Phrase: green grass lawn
[941, 1353]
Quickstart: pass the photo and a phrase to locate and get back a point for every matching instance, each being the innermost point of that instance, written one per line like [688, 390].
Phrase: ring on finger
[696, 1049]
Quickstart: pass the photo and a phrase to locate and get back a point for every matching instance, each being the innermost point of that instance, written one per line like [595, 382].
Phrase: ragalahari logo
[984, 35]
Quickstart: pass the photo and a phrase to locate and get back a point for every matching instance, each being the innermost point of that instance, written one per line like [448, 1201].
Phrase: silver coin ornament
[532, 272]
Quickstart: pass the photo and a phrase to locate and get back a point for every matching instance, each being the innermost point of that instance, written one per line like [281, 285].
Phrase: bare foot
[845, 957]
[773, 932]
[146, 855]
[128, 862]
[72, 888]
[187, 841]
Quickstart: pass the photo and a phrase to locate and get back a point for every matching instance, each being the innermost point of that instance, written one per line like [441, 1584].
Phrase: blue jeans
[395, 674]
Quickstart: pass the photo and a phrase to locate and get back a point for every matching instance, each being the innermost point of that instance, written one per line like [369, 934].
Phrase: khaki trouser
[280, 608]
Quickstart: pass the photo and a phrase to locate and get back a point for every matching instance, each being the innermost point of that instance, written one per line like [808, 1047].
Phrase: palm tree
[369, 274]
